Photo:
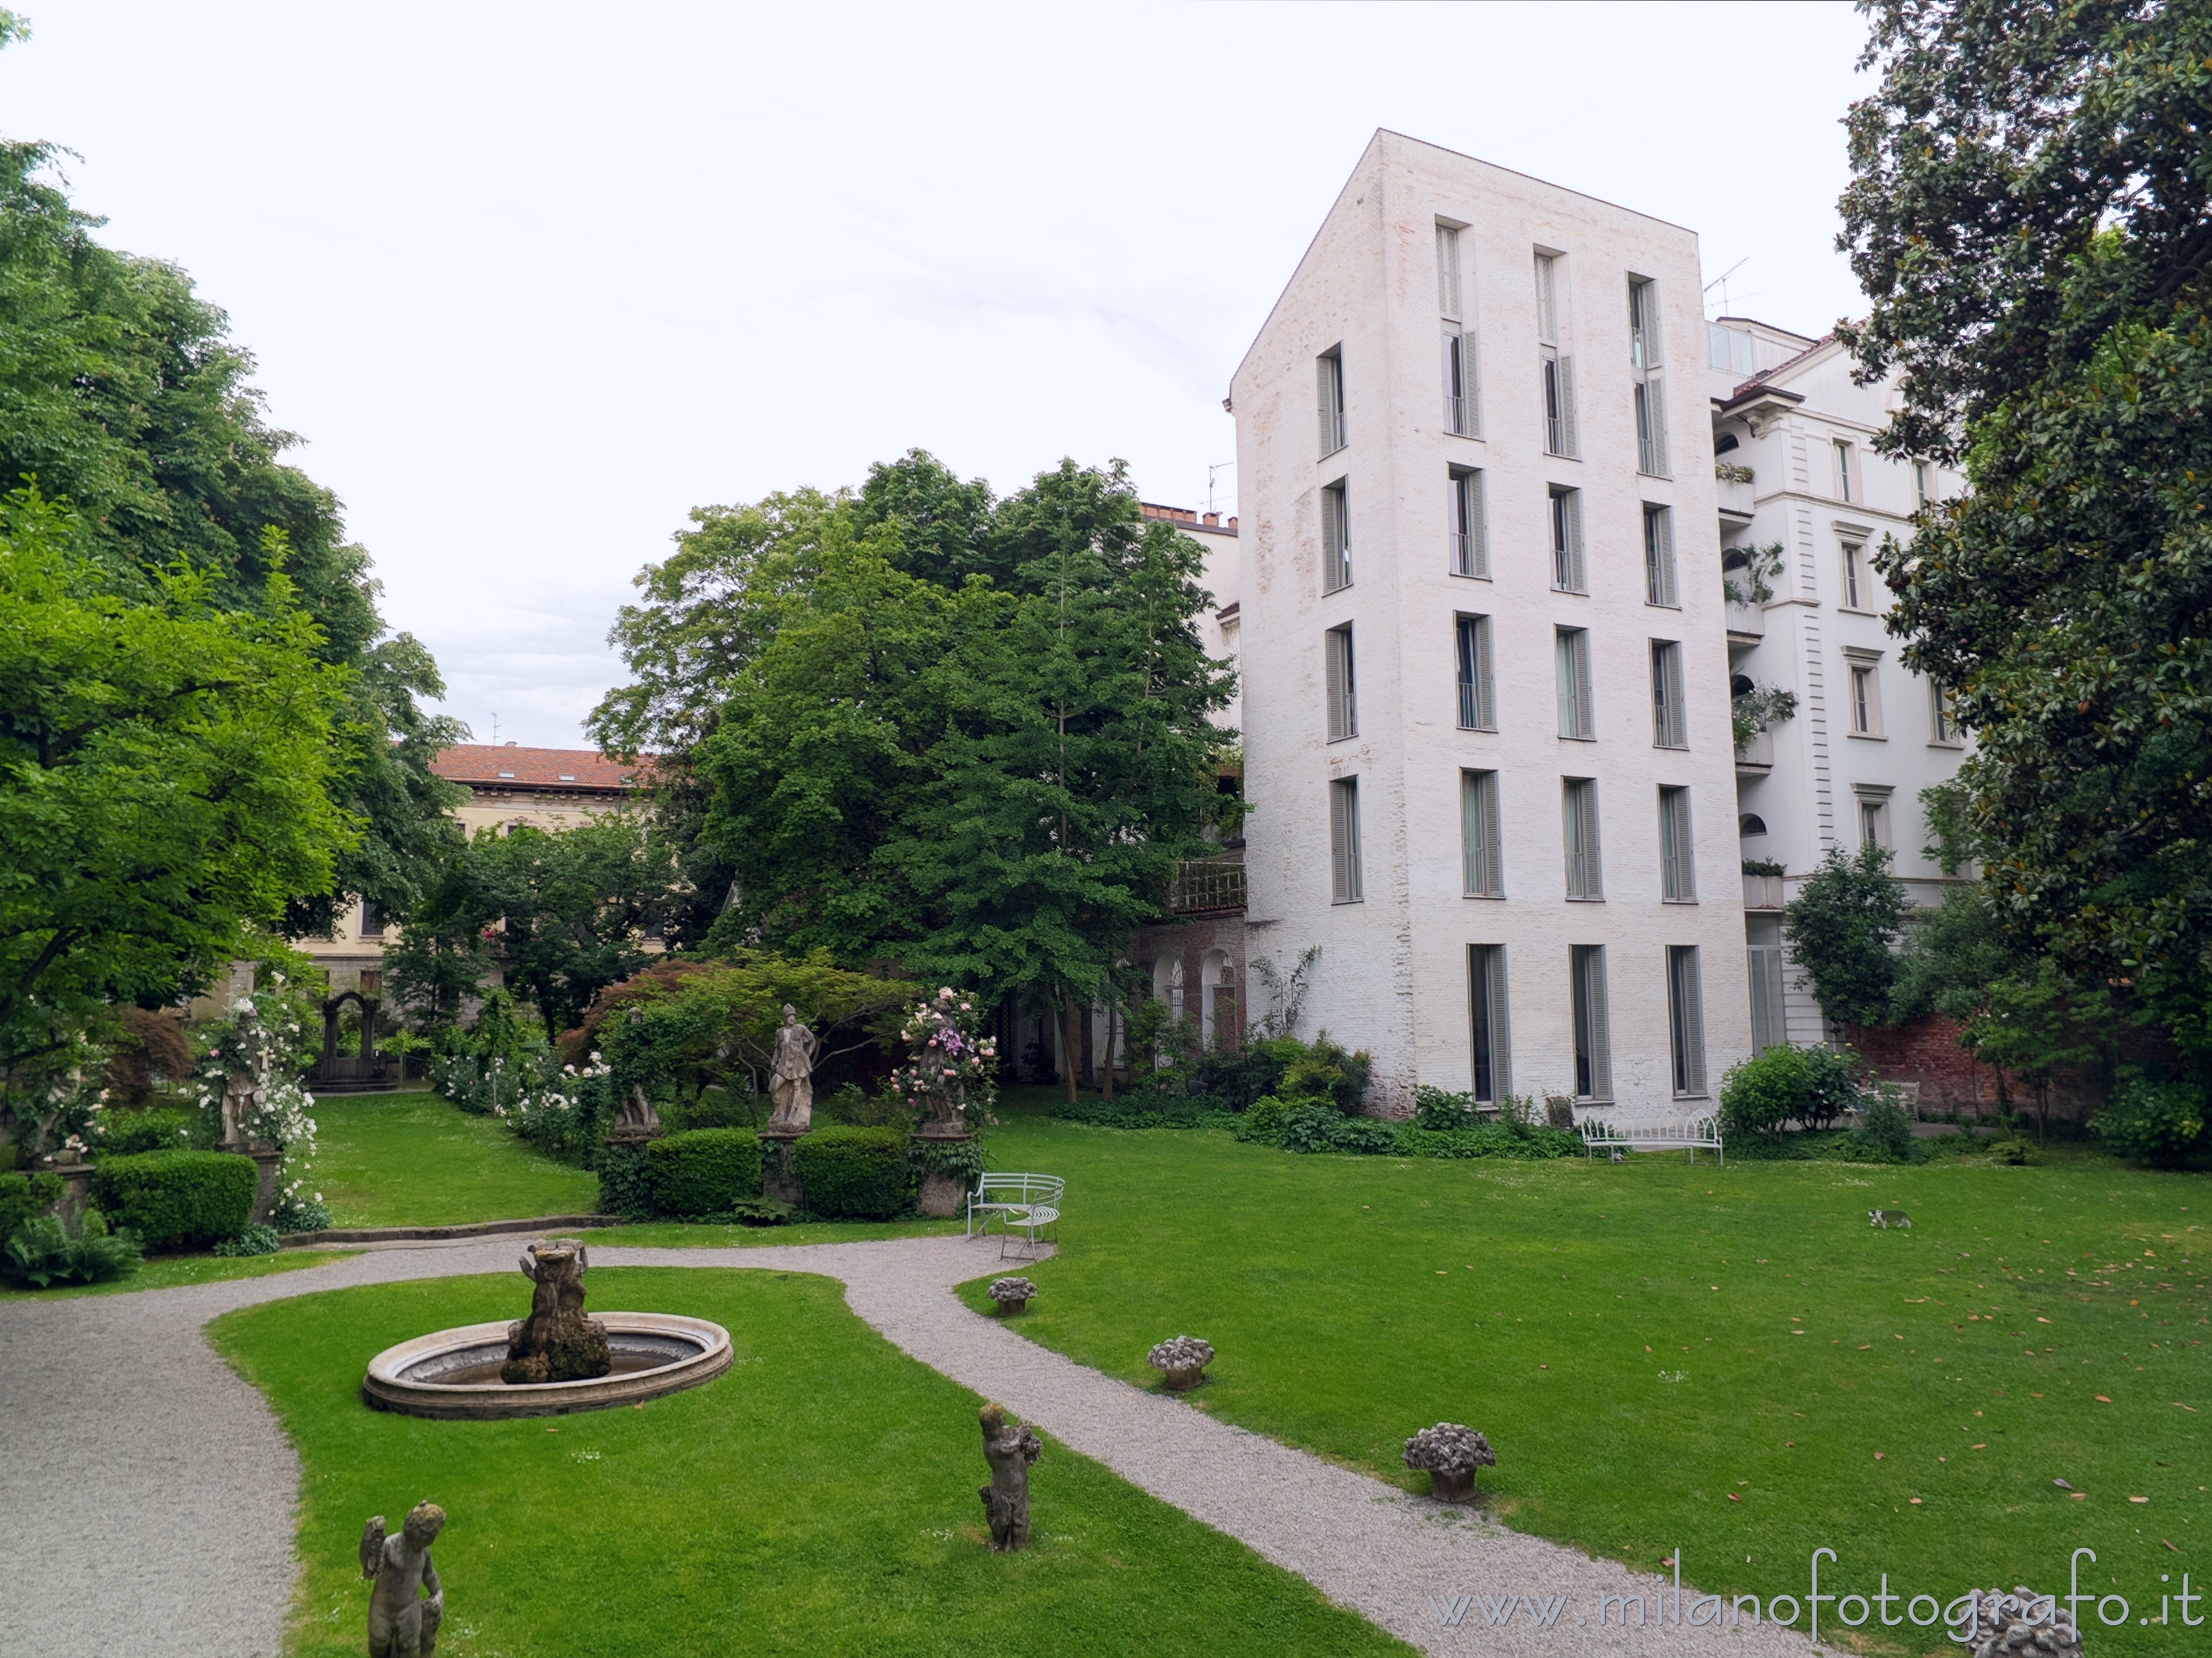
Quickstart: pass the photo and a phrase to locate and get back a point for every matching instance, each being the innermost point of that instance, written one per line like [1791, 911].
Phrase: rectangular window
[1854, 577]
[1335, 536]
[1593, 1037]
[1843, 480]
[1659, 586]
[1669, 722]
[1344, 840]
[1329, 368]
[372, 920]
[1866, 701]
[1577, 711]
[1569, 571]
[1942, 725]
[1578, 812]
[1462, 400]
[1343, 691]
[1919, 482]
[1686, 1014]
[1493, 1064]
[1477, 697]
[1768, 1029]
[1678, 862]
[1557, 368]
[1732, 350]
[1873, 820]
[1470, 534]
[1649, 389]
[1447, 272]
[1482, 854]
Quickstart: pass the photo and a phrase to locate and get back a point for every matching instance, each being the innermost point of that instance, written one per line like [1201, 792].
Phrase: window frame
[1335, 536]
[1686, 1023]
[1841, 448]
[1582, 842]
[1482, 850]
[1576, 685]
[1563, 526]
[1678, 846]
[1648, 391]
[1662, 587]
[1942, 722]
[1853, 575]
[1474, 672]
[1341, 683]
[1862, 693]
[1592, 1022]
[1670, 718]
[1329, 401]
[1489, 1023]
[1346, 883]
[1468, 514]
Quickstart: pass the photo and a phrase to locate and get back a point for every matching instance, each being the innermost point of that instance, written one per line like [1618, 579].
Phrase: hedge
[703, 1171]
[855, 1174]
[127, 1133]
[24, 1198]
[177, 1200]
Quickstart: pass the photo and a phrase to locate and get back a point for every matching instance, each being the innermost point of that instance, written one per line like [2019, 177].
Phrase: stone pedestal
[76, 1184]
[269, 1169]
[942, 1196]
[780, 1166]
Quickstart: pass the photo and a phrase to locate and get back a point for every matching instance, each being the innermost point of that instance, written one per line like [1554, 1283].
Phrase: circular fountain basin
[455, 1374]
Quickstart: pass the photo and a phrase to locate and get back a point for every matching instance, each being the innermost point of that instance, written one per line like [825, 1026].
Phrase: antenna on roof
[495, 727]
[1721, 281]
[1212, 473]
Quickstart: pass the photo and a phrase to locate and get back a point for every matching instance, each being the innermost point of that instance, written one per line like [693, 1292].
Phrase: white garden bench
[1699, 1134]
[1020, 1203]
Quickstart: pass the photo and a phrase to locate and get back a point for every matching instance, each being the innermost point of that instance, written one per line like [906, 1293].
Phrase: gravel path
[150, 1490]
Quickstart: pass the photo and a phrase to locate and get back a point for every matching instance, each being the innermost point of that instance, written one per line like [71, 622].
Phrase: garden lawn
[416, 1160]
[819, 1499]
[1729, 1360]
[170, 1271]
[695, 1234]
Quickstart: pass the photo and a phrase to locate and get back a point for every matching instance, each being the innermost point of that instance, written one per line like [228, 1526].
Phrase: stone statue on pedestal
[791, 1075]
[1009, 1448]
[402, 1622]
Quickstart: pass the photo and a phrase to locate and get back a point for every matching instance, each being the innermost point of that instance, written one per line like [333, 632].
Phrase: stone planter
[1011, 1295]
[1182, 1381]
[940, 1196]
[1451, 1487]
[1182, 1360]
[1452, 1454]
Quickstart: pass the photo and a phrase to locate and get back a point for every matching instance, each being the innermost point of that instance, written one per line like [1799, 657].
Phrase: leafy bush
[855, 1174]
[126, 1133]
[705, 1171]
[24, 1197]
[2159, 1123]
[1310, 1125]
[1241, 1077]
[625, 1182]
[1325, 1069]
[254, 1241]
[715, 1107]
[1808, 1085]
[1885, 1135]
[1144, 1111]
[1433, 1109]
[954, 1160]
[1521, 1141]
[1841, 927]
[294, 1213]
[178, 1200]
[2019, 1154]
[1365, 1137]
[1263, 1125]
[42, 1252]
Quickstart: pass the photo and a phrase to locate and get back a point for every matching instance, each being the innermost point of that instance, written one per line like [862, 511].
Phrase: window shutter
[1349, 789]
[1486, 694]
[1339, 845]
[1691, 1005]
[1655, 409]
[1569, 445]
[1578, 653]
[1478, 525]
[1577, 569]
[1600, 1036]
[1678, 715]
[1325, 402]
[1569, 717]
[1664, 539]
[1592, 864]
[1470, 383]
[1501, 1038]
[1452, 393]
[1343, 707]
[1762, 1007]
[1473, 854]
[1447, 270]
[1494, 839]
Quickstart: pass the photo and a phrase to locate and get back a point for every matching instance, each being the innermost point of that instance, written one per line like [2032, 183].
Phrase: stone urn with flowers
[949, 1081]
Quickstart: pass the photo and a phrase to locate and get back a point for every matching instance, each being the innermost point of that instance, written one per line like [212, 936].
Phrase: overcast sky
[535, 281]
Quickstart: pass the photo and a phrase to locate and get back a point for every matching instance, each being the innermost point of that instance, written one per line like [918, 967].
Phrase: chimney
[1232, 521]
[510, 742]
[1213, 520]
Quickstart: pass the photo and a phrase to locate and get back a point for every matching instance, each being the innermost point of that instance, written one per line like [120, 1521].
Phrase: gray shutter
[1493, 838]
[1486, 690]
[1339, 845]
[1451, 380]
[1667, 590]
[1447, 270]
[1678, 714]
[1593, 860]
[1691, 993]
[1569, 443]
[1686, 848]
[1470, 384]
[1600, 1033]
[1762, 1009]
[1351, 839]
[1501, 1038]
[1564, 649]
[1478, 525]
[1473, 854]
[1668, 886]
[1655, 404]
[1585, 692]
[1338, 650]
[1577, 567]
[1325, 394]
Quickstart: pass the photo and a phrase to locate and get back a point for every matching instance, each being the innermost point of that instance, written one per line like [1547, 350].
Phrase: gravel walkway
[150, 1490]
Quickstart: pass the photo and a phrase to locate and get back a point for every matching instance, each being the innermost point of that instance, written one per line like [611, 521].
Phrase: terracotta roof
[509, 765]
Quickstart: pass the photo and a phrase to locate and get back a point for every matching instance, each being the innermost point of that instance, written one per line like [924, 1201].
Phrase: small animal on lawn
[1887, 1218]
[1617, 1156]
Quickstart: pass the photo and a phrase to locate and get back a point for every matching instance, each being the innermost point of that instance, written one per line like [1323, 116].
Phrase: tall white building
[1793, 436]
[1488, 738]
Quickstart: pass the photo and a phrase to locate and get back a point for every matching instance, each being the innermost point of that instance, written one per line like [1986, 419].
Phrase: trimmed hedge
[128, 1133]
[177, 1200]
[24, 1197]
[703, 1171]
[855, 1174]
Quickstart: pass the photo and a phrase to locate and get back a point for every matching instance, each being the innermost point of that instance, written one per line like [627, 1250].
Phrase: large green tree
[122, 393]
[2032, 215]
[164, 758]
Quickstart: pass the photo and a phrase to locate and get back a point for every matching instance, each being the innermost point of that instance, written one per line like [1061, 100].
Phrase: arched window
[1740, 686]
[1724, 442]
[1751, 823]
[1735, 558]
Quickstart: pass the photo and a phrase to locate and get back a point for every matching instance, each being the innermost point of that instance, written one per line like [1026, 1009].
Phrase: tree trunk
[1071, 1045]
[1106, 1068]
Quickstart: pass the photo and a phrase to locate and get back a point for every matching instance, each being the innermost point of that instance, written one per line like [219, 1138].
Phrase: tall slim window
[1846, 483]
[1470, 537]
[1478, 696]
[1578, 712]
[1873, 820]
[1578, 813]
[1593, 1035]
[1920, 483]
[1335, 536]
[1686, 1018]
[1768, 1025]
[1669, 722]
[1493, 1045]
[1648, 389]
[1482, 855]
[1677, 863]
[1854, 577]
[1343, 691]
[1330, 370]
[1448, 300]
[1555, 364]
[1866, 701]
[1942, 724]
[1462, 399]
[1569, 571]
[1659, 586]
[1344, 840]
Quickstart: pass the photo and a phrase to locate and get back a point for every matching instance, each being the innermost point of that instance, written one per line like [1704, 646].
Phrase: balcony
[1757, 754]
[1762, 892]
[1206, 887]
[1738, 498]
[1747, 621]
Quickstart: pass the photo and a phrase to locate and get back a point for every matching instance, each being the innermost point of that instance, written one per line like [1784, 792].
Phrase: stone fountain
[555, 1361]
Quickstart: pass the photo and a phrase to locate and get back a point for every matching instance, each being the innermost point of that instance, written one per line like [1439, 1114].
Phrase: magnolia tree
[948, 1073]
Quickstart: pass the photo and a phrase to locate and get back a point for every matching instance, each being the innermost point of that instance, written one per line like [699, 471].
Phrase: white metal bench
[1699, 1134]
[1008, 1199]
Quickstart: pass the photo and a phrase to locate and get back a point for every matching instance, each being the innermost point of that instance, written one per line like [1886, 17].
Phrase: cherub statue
[1009, 1448]
[402, 1624]
[791, 1075]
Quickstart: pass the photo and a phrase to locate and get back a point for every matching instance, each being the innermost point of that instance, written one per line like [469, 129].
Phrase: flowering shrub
[948, 1075]
[561, 1109]
[255, 1063]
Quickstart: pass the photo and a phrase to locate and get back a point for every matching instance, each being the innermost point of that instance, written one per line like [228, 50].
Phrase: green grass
[1624, 1334]
[169, 1271]
[819, 1499]
[412, 1159]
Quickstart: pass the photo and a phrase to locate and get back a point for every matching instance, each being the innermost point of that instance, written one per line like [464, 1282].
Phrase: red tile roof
[509, 765]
